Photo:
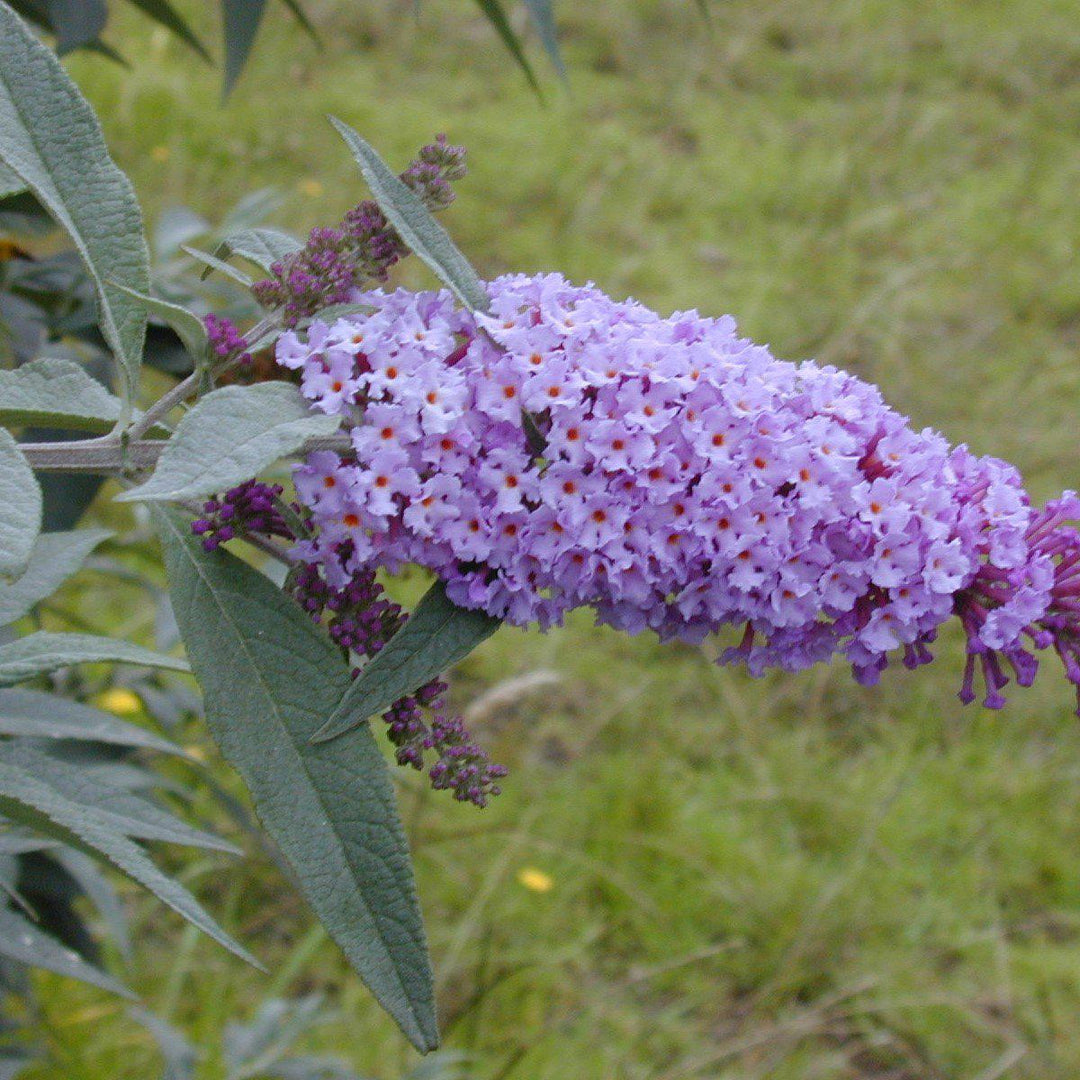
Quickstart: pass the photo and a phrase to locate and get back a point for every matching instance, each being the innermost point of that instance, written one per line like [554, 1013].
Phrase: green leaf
[421, 232]
[22, 941]
[126, 813]
[77, 23]
[49, 716]
[51, 139]
[437, 635]
[10, 183]
[231, 435]
[212, 263]
[51, 392]
[263, 247]
[241, 19]
[40, 653]
[20, 508]
[543, 17]
[188, 326]
[100, 892]
[30, 801]
[163, 12]
[300, 15]
[270, 677]
[54, 558]
[496, 15]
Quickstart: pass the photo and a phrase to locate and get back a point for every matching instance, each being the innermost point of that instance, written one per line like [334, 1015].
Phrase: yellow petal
[535, 880]
[120, 701]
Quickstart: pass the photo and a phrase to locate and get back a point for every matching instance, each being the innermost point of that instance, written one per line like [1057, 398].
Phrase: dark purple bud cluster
[336, 262]
[250, 508]
[362, 619]
[226, 342]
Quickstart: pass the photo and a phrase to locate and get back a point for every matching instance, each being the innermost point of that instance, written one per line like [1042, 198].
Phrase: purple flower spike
[567, 450]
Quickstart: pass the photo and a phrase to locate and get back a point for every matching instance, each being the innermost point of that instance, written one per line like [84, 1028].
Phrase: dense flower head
[568, 450]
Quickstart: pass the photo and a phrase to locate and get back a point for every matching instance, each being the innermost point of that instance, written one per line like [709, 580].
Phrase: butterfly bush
[568, 450]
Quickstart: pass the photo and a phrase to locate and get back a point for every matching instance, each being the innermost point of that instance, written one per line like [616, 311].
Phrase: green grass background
[790, 878]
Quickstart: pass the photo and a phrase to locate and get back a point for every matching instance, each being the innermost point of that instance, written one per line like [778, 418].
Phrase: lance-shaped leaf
[10, 183]
[30, 801]
[163, 12]
[437, 635]
[188, 326]
[543, 17]
[231, 435]
[413, 221]
[270, 677]
[20, 508]
[53, 559]
[40, 653]
[241, 18]
[496, 15]
[53, 392]
[129, 814]
[51, 139]
[77, 23]
[263, 247]
[212, 263]
[23, 941]
[49, 716]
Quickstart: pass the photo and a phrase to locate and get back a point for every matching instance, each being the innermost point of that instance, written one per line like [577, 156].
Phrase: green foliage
[437, 636]
[20, 508]
[270, 678]
[231, 435]
[58, 393]
[263, 247]
[50, 137]
[43, 652]
[413, 221]
[52, 560]
[188, 326]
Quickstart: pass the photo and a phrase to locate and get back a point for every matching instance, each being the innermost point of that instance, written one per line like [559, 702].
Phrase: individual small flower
[535, 880]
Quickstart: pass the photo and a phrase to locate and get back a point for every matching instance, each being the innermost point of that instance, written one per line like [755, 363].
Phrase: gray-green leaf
[53, 559]
[263, 247]
[241, 18]
[30, 801]
[424, 236]
[270, 677]
[51, 139]
[26, 943]
[437, 635]
[188, 326]
[20, 508]
[10, 183]
[40, 653]
[231, 435]
[127, 813]
[53, 392]
[49, 716]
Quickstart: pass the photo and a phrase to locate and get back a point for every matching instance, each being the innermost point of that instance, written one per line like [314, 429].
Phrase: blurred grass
[791, 878]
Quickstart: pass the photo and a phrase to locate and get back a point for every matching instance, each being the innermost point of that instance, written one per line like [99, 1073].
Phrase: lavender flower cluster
[567, 450]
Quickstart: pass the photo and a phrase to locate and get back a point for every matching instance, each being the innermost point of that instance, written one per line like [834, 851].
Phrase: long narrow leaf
[543, 17]
[163, 12]
[270, 677]
[413, 221]
[263, 247]
[20, 508]
[40, 653]
[129, 814]
[496, 15]
[26, 799]
[77, 23]
[53, 559]
[22, 941]
[241, 19]
[188, 326]
[38, 715]
[437, 635]
[50, 137]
